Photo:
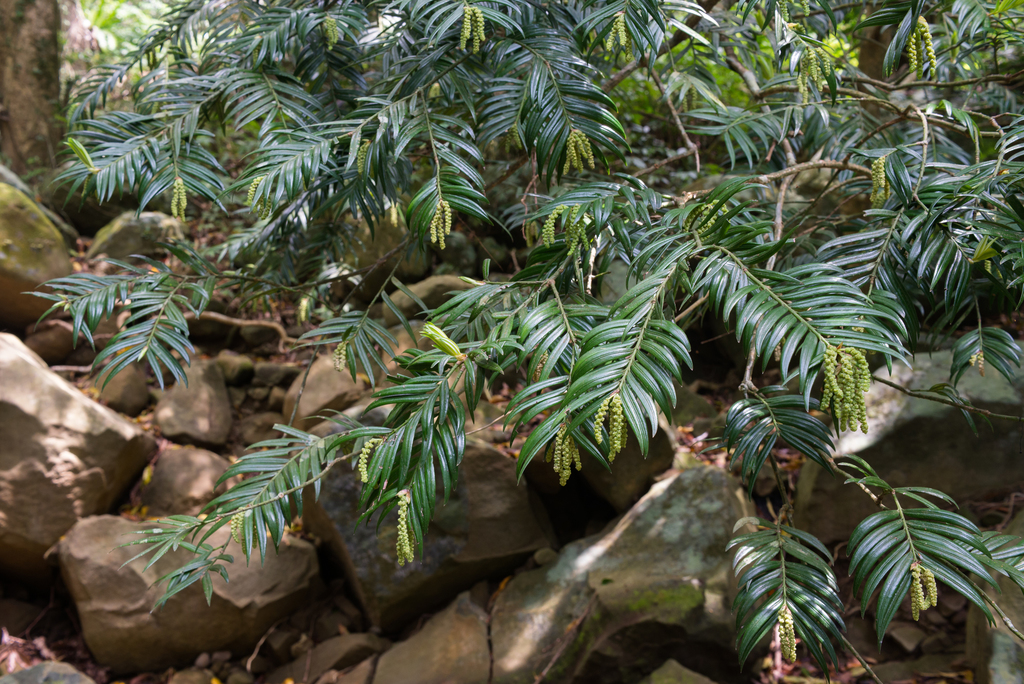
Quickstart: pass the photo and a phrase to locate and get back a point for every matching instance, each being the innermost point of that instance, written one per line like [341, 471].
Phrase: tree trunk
[29, 83]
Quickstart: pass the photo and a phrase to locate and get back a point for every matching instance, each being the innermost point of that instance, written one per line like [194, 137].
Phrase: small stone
[220, 656]
[198, 413]
[256, 336]
[907, 635]
[258, 393]
[126, 392]
[237, 368]
[939, 642]
[183, 481]
[259, 665]
[16, 616]
[674, 673]
[280, 642]
[276, 400]
[275, 374]
[237, 396]
[191, 676]
[302, 646]
[950, 602]
[203, 661]
[330, 624]
[545, 556]
[51, 340]
[237, 676]
[336, 653]
[259, 427]
[128, 235]
[325, 390]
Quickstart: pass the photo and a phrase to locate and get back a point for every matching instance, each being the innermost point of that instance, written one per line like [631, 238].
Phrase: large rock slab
[325, 390]
[919, 442]
[616, 606]
[47, 673]
[488, 527]
[63, 456]
[184, 480]
[199, 412]
[632, 473]
[996, 654]
[450, 649]
[114, 602]
[32, 251]
[129, 234]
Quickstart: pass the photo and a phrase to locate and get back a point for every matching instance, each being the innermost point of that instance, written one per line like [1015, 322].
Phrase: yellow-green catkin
[810, 71]
[364, 458]
[784, 10]
[923, 34]
[617, 431]
[441, 224]
[787, 634]
[472, 27]
[565, 454]
[575, 230]
[805, 6]
[879, 183]
[578, 150]
[179, 198]
[618, 35]
[541, 362]
[931, 589]
[302, 312]
[918, 602]
[847, 378]
[699, 218]
[547, 233]
[262, 207]
[237, 523]
[361, 157]
[513, 142]
[341, 356]
[331, 31]
[404, 546]
[979, 360]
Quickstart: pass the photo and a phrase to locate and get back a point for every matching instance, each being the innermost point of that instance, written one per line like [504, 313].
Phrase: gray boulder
[450, 649]
[62, 457]
[47, 673]
[674, 673]
[198, 413]
[325, 390]
[32, 251]
[184, 480]
[918, 442]
[237, 368]
[657, 585]
[488, 527]
[259, 427]
[129, 234]
[114, 602]
[52, 340]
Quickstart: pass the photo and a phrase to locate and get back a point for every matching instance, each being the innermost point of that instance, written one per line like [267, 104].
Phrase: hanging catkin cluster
[238, 526]
[879, 184]
[361, 157]
[812, 63]
[617, 432]
[979, 358]
[578, 150]
[262, 207]
[619, 34]
[541, 362]
[847, 378]
[921, 41]
[472, 27]
[441, 224]
[179, 199]
[924, 593]
[699, 218]
[787, 634]
[565, 454]
[364, 458]
[331, 31]
[547, 233]
[783, 6]
[404, 546]
[512, 141]
[575, 230]
[341, 356]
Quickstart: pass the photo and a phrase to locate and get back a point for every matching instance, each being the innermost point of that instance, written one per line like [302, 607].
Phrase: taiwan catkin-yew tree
[434, 111]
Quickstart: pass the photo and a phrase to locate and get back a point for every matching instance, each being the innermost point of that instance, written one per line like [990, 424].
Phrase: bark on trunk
[29, 83]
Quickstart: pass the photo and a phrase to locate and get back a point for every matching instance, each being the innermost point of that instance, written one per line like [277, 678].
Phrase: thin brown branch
[941, 400]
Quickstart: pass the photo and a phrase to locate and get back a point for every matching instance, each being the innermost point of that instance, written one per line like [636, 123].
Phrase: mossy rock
[32, 251]
[129, 234]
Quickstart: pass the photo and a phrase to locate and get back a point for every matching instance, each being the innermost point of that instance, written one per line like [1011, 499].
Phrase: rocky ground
[616, 578]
